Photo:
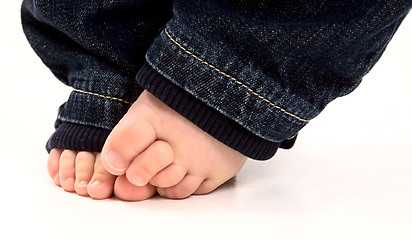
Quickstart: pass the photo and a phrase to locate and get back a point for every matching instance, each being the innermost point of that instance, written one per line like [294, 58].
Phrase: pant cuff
[208, 119]
[78, 137]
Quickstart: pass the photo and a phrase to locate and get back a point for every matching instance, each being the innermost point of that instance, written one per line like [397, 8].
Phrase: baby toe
[126, 191]
[131, 136]
[169, 176]
[67, 170]
[102, 182]
[53, 165]
[84, 171]
[156, 157]
[184, 189]
[207, 186]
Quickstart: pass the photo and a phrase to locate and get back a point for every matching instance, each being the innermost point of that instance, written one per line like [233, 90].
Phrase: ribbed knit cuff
[78, 137]
[208, 119]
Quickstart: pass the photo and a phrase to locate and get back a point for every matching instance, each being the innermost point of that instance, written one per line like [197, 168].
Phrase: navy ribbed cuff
[78, 137]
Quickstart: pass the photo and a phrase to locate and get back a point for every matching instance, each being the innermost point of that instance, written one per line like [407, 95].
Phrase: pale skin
[152, 149]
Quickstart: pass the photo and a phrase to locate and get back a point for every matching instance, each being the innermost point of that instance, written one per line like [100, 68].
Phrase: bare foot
[154, 145]
[83, 173]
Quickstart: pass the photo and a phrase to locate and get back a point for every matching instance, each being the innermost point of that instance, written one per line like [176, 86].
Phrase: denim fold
[272, 66]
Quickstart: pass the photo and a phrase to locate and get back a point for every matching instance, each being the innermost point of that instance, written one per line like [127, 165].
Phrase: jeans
[270, 66]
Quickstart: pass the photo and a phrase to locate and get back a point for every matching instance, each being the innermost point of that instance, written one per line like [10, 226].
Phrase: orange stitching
[102, 96]
[233, 79]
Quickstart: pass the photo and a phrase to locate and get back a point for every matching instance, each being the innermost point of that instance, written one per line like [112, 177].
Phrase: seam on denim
[102, 96]
[234, 79]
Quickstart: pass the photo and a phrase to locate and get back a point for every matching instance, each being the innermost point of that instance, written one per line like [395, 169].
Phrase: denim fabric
[272, 66]
[96, 47]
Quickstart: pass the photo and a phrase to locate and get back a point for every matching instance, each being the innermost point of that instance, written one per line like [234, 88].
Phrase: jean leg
[96, 47]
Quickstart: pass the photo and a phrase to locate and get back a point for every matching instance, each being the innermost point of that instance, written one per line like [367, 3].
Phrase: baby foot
[154, 145]
[83, 173]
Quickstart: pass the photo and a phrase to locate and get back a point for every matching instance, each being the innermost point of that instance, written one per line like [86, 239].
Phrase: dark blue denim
[272, 66]
[96, 47]
[268, 66]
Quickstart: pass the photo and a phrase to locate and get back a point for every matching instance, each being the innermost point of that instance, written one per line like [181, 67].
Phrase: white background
[348, 177]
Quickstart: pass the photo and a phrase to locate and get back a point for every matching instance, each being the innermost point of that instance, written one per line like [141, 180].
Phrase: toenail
[83, 184]
[56, 178]
[115, 162]
[138, 181]
[161, 192]
[95, 184]
[69, 181]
